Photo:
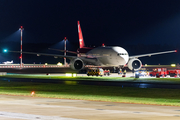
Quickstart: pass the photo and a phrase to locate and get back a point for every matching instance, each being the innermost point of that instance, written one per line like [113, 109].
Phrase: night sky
[140, 26]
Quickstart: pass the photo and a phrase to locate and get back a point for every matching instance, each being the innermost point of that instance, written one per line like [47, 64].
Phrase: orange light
[32, 93]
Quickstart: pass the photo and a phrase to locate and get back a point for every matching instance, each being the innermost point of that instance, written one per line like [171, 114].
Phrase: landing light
[46, 63]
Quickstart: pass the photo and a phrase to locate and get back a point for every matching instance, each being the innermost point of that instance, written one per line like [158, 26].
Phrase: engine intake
[77, 64]
[134, 64]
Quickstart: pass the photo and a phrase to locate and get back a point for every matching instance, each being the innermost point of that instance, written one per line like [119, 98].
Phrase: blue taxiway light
[5, 50]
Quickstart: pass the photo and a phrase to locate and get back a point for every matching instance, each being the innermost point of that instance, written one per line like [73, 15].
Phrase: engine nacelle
[77, 64]
[134, 64]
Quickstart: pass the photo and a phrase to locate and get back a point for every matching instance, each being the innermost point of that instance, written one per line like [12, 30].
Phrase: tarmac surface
[32, 108]
[143, 83]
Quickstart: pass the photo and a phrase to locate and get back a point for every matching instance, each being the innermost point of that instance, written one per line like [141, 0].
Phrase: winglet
[81, 40]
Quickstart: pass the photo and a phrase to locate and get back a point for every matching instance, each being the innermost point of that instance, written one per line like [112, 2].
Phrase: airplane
[8, 62]
[110, 56]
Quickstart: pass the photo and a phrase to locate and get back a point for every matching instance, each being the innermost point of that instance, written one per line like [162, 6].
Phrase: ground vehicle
[95, 72]
[174, 73]
[107, 72]
[158, 72]
[142, 72]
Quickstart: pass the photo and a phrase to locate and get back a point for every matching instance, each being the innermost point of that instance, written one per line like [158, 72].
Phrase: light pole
[65, 50]
[21, 28]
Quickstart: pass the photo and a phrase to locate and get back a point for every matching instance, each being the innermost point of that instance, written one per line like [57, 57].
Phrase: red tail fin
[81, 40]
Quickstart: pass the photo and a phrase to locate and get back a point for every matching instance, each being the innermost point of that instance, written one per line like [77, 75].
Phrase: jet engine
[134, 64]
[77, 64]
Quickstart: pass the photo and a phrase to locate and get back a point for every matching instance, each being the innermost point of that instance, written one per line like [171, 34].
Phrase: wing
[45, 54]
[63, 51]
[143, 55]
[91, 60]
[86, 59]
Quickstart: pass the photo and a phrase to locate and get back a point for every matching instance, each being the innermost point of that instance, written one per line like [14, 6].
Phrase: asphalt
[128, 83]
[32, 108]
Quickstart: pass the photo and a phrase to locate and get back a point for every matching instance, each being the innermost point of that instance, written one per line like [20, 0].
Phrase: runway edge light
[32, 93]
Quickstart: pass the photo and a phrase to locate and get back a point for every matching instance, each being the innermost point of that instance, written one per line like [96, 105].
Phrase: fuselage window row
[122, 54]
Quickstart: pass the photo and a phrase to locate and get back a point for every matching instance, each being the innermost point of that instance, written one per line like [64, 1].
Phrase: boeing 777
[114, 56]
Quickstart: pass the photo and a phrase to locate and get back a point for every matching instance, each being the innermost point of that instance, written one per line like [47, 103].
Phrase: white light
[173, 65]
[137, 73]
[60, 64]
[69, 74]
[74, 74]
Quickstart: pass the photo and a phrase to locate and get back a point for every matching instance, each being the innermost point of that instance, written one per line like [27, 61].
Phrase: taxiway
[32, 108]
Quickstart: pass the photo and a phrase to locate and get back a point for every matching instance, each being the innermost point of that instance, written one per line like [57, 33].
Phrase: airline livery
[114, 56]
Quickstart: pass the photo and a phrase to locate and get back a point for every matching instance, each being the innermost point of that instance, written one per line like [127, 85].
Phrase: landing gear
[114, 69]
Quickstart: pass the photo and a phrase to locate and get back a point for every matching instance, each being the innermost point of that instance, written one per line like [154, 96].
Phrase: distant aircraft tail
[81, 40]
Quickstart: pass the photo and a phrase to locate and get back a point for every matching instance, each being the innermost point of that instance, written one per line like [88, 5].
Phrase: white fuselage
[110, 56]
[8, 62]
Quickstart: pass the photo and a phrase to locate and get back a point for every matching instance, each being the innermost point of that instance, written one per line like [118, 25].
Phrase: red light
[175, 50]
[20, 57]
[65, 38]
[21, 26]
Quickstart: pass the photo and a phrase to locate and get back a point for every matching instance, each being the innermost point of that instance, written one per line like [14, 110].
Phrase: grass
[96, 93]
